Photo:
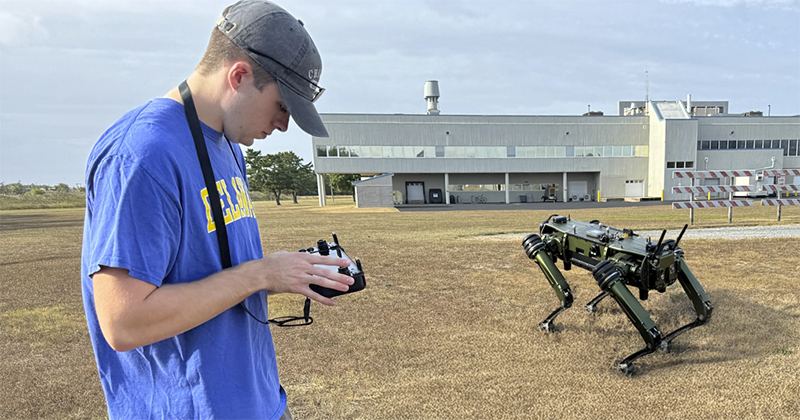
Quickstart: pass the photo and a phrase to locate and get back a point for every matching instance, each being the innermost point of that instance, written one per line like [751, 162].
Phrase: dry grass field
[447, 327]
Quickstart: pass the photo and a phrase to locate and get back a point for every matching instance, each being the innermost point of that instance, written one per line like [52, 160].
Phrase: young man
[169, 337]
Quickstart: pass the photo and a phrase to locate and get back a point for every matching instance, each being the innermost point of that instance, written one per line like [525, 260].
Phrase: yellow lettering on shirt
[247, 197]
[204, 196]
[240, 197]
[226, 212]
[234, 209]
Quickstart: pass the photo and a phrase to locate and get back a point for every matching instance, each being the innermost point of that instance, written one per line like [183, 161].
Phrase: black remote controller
[353, 270]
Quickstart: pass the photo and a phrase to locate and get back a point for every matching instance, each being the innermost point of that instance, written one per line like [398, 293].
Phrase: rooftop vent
[432, 96]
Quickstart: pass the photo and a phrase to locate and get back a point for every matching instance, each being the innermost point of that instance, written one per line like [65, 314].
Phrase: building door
[576, 190]
[713, 181]
[634, 188]
[415, 192]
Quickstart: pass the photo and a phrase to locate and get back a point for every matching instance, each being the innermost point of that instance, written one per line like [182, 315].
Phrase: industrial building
[438, 158]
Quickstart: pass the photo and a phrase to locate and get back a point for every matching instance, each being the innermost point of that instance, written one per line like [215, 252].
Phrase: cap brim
[303, 112]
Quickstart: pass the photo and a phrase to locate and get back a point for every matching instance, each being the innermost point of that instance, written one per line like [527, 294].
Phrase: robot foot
[547, 326]
[591, 307]
[627, 368]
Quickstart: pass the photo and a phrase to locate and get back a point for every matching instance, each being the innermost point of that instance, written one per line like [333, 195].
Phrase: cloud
[787, 4]
[20, 29]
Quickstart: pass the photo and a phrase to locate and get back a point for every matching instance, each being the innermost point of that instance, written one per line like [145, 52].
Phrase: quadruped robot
[616, 258]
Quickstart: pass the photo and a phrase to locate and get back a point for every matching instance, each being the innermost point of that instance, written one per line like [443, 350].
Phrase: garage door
[634, 188]
[576, 190]
[415, 191]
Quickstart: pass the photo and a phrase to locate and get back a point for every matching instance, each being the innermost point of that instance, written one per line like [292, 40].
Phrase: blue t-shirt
[147, 211]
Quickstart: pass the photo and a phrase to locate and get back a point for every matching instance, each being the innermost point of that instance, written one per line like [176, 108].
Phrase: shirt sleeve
[135, 223]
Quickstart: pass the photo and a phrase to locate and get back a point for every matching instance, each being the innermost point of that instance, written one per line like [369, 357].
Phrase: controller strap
[216, 207]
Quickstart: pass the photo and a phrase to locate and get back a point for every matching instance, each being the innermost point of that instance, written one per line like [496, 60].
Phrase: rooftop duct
[432, 96]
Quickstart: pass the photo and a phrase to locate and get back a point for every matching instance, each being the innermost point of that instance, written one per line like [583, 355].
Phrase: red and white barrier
[713, 189]
[781, 172]
[773, 187]
[712, 174]
[779, 202]
[711, 204]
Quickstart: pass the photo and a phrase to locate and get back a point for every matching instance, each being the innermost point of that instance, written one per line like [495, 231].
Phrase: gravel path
[734, 232]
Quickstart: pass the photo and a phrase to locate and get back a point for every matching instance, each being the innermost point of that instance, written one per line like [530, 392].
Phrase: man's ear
[239, 73]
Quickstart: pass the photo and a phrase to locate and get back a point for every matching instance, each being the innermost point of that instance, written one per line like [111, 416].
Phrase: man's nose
[282, 122]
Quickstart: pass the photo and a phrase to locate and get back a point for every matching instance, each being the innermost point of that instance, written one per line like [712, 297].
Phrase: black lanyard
[208, 174]
[216, 207]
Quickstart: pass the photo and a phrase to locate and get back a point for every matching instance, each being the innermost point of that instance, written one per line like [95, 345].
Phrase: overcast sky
[70, 68]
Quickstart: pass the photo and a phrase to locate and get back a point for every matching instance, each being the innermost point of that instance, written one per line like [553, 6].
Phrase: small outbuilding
[375, 191]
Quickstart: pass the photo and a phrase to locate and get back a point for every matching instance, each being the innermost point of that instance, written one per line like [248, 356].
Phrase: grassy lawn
[447, 327]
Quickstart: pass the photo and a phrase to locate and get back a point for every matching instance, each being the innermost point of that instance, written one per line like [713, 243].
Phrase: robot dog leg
[609, 279]
[535, 248]
[702, 305]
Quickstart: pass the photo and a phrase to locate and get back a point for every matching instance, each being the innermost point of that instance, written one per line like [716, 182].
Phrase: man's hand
[293, 272]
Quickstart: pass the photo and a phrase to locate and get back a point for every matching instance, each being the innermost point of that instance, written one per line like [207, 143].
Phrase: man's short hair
[222, 51]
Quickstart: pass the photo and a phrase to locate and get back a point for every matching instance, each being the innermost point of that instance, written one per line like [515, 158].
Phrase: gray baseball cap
[280, 44]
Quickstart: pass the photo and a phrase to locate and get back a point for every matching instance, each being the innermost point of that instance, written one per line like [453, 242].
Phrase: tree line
[274, 174]
[18, 188]
[286, 173]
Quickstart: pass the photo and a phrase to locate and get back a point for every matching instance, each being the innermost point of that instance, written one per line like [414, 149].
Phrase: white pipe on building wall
[689, 104]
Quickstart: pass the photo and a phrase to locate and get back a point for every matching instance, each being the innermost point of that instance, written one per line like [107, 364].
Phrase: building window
[477, 187]
[759, 144]
[705, 145]
[469, 152]
[322, 151]
[792, 147]
[679, 165]
[511, 151]
[749, 144]
[670, 165]
[627, 151]
[714, 144]
[785, 147]
[690, 164]
[397, 151]
[333, 151]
